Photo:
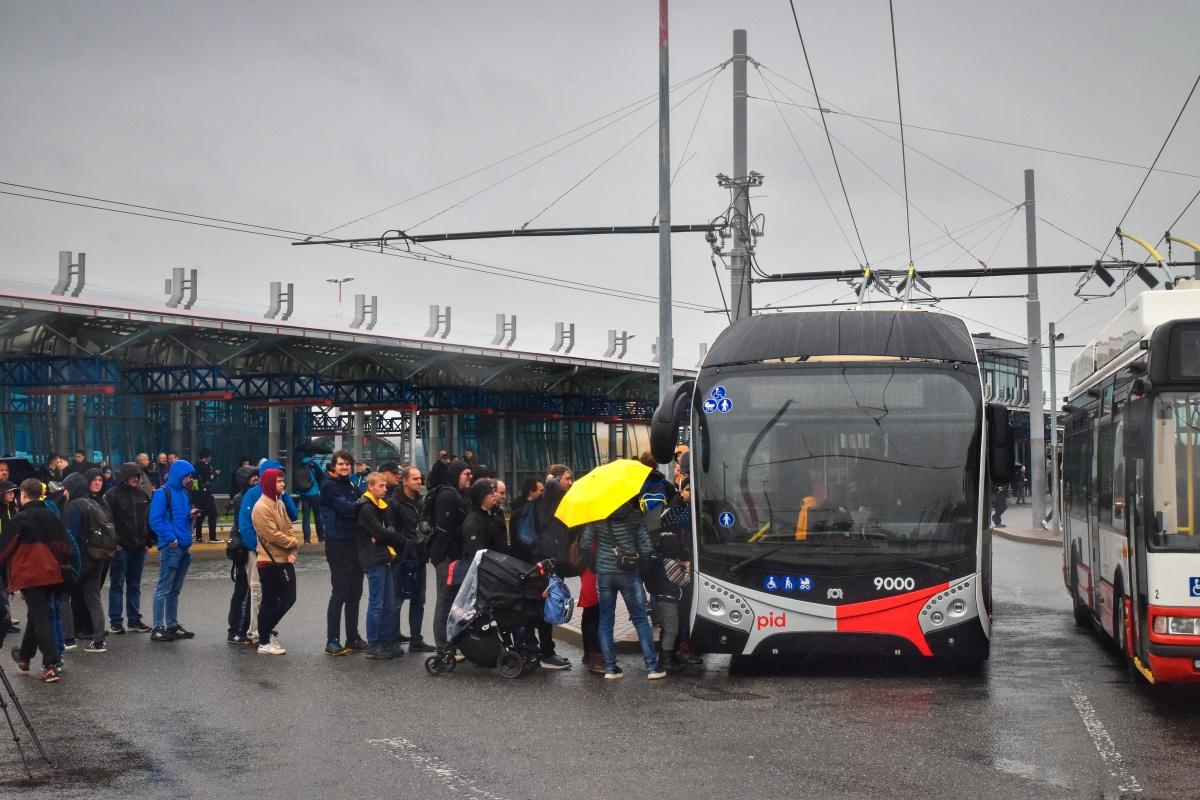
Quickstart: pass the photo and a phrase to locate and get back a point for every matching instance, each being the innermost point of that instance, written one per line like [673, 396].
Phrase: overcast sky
[305, 116]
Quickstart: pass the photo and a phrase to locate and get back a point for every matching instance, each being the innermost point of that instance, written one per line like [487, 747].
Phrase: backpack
[428, 503]
[235, 548]
[560, 605]
[304, 478]
[100, 538]
[527, 523]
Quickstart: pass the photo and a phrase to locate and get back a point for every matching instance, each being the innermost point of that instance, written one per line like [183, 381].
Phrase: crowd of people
[64, 533]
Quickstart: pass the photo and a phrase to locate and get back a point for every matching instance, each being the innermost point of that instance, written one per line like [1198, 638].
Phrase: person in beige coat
[277, 547]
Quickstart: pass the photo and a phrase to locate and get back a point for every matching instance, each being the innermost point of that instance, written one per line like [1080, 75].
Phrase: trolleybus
[839, 468]
[1131, 484]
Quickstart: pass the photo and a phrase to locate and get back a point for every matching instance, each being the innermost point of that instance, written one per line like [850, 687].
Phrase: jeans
[279, 595]
[416, 602]
[346, 580]
[629, 585]
[311, 504]
[381, 606]
[125, 586]
[39, 634]
[173, 563]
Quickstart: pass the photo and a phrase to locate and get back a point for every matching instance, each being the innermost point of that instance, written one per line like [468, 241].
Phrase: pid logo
[771, 620]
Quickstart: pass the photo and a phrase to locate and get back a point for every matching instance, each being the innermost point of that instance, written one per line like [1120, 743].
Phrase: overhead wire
[639, 103]
[900, 114]
[828, 137]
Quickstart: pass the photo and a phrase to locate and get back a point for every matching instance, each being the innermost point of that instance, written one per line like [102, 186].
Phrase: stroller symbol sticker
[726, 519]
[771, 583]
[717, 393]
[804, 583]
[710, 406]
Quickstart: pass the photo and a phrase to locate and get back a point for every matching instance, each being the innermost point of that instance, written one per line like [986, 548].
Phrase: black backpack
[428, 504]
[235, 548]
[100, 537]
[304, 478]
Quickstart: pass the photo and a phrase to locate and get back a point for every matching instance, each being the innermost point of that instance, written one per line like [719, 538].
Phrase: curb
[1030, 538]
[216, 552]
[574, 636]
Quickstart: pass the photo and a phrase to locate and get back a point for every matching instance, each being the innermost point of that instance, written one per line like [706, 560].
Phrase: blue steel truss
[282, 386]
[57, 371]
[177, 380]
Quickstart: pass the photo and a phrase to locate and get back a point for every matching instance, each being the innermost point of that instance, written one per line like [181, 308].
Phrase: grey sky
[307, 115]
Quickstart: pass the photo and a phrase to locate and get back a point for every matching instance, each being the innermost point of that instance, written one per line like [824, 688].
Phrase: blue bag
[560, 605]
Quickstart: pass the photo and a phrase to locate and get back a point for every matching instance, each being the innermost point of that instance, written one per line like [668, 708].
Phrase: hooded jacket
[339, 510]
[553, 537]
[625, 528]
[130, 509]
[449, 510]
[477, 528]
[275, 540]
[246, 510]
[82, 504]
[379, 544]
[171, 522]
[33, 548]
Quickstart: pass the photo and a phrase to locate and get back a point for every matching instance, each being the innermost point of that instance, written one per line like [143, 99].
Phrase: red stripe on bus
[898, 615]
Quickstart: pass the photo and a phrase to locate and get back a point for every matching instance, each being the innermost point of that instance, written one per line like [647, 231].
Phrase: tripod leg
[16, 738]
[24, 718]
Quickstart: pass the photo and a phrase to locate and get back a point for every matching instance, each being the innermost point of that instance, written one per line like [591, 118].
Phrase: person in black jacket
[478, 529]
[554, 540]
[378, 546]
[202, 497]
[8, 510]
[130, 509]
[445, 545]
[409, 568]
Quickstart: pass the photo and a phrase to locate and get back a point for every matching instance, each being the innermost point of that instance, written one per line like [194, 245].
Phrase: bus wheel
[1083, 614]
[744, 665]
[1118, 637]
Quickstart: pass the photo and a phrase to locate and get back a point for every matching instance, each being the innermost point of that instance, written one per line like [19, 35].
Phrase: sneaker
[180, 632]
[270, 649]
[95, 646]
[70, 645]
[397, 649]
[138, 627]
[235, 638]
[116, 629]
[671, 662]
[162, 635]
[215, 541]
[334, 648]
[421, 646]
[357, 645]
[22, 663]
[275, 640]
[613, 673]
[379, 653]
[556, 662]
[655, 674]
[51, 675]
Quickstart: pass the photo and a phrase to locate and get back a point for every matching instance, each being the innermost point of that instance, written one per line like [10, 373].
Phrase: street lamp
[339, 282]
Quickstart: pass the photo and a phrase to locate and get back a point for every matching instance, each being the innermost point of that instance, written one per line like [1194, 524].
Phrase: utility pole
[666, 345]
[1037, 418]
[339, 282]
[1054, 522]
[739, 254]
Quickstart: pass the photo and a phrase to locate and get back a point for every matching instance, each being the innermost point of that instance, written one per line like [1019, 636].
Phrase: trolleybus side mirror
[671, 413]
[1001, 452]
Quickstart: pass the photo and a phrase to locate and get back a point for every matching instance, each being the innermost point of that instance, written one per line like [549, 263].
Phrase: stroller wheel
[433, 665]
[510, 664]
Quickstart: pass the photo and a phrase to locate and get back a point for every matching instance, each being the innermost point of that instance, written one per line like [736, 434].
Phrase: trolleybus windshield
[1177, 470]
[804, 464]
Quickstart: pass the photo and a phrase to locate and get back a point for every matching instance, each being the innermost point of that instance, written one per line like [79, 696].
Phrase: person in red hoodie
[33, 550]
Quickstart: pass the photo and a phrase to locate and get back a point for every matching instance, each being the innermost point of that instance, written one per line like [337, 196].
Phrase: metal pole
[62, 433]
[666, 346]
[360, 430]
[1053, 436]
[273, 433]
[739, 258]
[177, 427]
[81, 442]
[1196, 259]
[1037, 417]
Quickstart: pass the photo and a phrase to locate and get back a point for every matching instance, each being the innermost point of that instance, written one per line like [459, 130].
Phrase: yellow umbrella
[601, 492]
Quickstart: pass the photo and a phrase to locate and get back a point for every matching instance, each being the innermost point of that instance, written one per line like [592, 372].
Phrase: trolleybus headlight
[937, 617]
[958, 608]
[735, 616]
[715, 606]
[1179, 626]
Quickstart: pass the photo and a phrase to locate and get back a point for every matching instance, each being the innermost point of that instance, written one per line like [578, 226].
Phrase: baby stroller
[499, 595]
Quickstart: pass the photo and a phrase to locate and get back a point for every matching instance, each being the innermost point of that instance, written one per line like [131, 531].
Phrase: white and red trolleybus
[1131, 484]
[839, 469]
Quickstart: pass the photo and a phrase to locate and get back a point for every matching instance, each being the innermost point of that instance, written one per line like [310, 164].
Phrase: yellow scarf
[382, 506]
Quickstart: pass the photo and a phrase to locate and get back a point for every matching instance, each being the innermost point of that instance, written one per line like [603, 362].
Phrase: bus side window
[1118, 477]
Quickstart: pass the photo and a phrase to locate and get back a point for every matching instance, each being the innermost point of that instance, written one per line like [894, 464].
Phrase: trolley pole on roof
[666, 343]
[1054, 523]
[1037, 417]
[739, 254]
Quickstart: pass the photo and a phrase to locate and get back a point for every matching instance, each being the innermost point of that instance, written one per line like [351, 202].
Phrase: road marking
[1103, 740]
[433, 766]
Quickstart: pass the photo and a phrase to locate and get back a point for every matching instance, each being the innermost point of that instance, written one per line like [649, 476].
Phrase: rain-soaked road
[1053, 715]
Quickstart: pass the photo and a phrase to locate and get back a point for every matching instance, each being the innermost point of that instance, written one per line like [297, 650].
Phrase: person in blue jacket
[250, 540]
[171, 521]
[308, 486]
[339, 505]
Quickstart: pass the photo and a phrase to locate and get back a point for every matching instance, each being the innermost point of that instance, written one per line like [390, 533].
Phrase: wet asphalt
[1053, 715]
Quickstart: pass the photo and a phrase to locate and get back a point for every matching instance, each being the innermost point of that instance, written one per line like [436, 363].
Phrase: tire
[433, 665]
[1083, 614]
[1117, 641]
[510, 664]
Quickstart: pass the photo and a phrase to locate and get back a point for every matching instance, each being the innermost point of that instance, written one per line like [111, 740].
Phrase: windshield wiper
[754, 559]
